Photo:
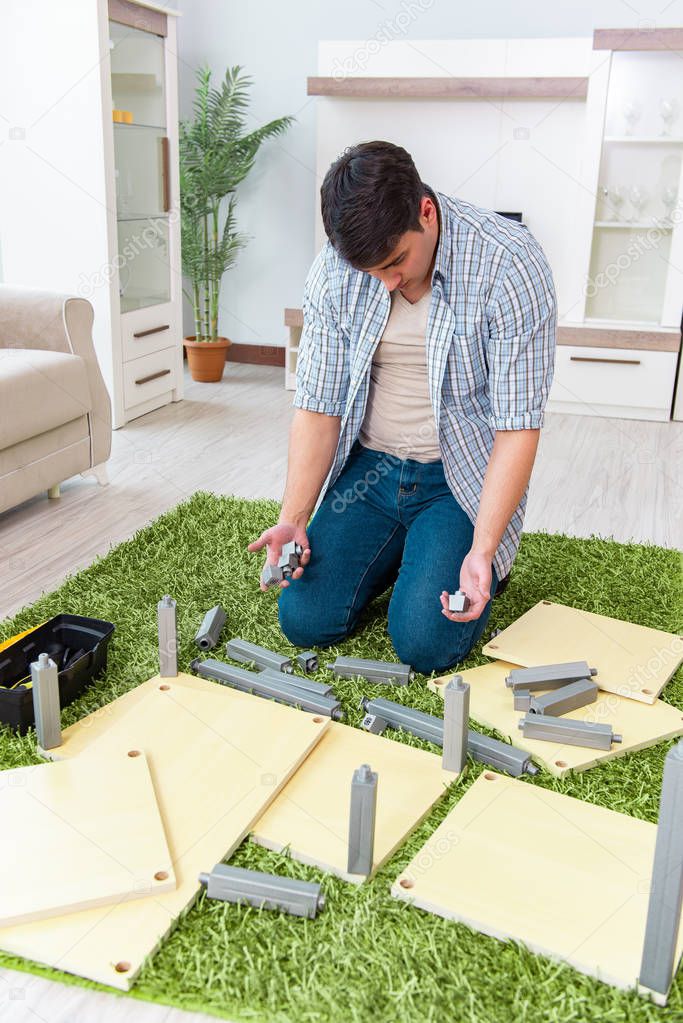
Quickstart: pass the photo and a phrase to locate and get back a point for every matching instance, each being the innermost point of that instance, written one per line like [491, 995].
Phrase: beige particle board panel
[632, 660]
[68, 848]
[217, 758]
[311, 814]
[568, 879]
[639, 724]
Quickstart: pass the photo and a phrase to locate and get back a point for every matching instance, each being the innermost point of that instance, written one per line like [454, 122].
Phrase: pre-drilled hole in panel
[161, 875]
[493, 646]
[546, 602]
[489, 776]
[646, 692]
[317, 720]
[122, 967]
[440, 682]
[560, 763]
[406, 882]
[133, 752]
[164, 687]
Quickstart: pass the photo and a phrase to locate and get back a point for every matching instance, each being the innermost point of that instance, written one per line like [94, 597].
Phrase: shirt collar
[442, 263]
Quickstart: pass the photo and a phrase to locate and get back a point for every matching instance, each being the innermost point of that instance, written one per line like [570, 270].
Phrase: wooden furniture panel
[640, 725]
[217, 757]
[311, 814]
[568, 879]
[633, 661]
[79, 834]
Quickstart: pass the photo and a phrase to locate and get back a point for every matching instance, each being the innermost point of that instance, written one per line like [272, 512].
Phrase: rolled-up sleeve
[522, 320]
[322, 372]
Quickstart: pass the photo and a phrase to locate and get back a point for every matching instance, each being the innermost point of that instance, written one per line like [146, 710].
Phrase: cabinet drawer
[147, 330]
[622, 382]
[149, 376]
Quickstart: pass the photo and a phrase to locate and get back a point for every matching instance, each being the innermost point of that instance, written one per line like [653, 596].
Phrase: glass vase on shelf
[616, 195]
[638, 198]
[632, 111]
[668, 111]
[669, 199]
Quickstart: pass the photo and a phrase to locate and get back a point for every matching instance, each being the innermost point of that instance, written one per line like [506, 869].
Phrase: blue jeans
[385, 521]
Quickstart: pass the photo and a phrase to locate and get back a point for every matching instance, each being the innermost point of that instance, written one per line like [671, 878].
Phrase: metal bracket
[168, 639]
[521, 699]
[566, 698]
[568, 731]
[362, 821]
[374, 671]
[209, 631]
[46, 706]
[549, 676]
[666, 890]
[456, 717]
[265, 891]
[250, 653]
[281, 689]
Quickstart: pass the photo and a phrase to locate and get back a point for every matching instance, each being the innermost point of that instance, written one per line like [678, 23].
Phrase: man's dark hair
[369, 198]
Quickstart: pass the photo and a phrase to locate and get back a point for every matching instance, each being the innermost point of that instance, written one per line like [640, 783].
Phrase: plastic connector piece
[168, 640]
[288, 562]
[251, 653]
[46, 706]
[308, 661]
[666, 889]
[271, 686]
[209, 631]
[300, 682]
[549, 676]
[455, 724]
[374, 671]
[566, 698]
[458, 602]
[264, 891]
[568, 731]
[521, 699]
[374, 724]
[362, 821]
[499, 755]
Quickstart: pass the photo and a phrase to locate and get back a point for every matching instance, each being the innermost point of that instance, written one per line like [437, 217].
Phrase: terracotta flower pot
[206, 358]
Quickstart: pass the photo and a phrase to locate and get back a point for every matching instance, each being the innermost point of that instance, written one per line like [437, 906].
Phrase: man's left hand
[475, 581]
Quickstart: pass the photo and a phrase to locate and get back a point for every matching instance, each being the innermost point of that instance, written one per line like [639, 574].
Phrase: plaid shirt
[490, 346]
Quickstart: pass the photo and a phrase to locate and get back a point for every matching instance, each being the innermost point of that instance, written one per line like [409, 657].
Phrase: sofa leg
[53, 491]
[99, 472]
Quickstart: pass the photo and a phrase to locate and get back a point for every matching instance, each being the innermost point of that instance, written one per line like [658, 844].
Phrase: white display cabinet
[90, 199]
[544, 127]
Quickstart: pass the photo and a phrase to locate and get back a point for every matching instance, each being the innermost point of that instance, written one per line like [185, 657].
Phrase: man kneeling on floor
[424, 366]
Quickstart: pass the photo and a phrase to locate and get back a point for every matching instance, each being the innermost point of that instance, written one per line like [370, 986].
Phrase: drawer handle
[590, 358]
[152, 330]
[153, 376]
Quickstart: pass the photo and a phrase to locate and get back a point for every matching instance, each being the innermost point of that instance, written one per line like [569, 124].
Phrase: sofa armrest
[30, 318]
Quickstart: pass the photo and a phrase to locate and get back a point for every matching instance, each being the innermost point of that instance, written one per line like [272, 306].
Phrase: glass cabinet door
[141, 165]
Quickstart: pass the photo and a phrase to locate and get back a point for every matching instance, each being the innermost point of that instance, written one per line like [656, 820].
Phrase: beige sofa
[55, 412]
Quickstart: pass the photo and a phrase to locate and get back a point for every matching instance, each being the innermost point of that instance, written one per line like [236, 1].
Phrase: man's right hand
[274, 539]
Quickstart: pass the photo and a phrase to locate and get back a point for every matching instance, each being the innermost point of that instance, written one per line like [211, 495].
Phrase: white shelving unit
[90, 206]
[545, 131]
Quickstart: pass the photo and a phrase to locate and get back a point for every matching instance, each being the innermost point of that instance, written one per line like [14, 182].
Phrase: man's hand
[475, 581]
[274, 539]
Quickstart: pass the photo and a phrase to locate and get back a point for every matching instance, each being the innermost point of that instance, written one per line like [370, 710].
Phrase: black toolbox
[77, 645]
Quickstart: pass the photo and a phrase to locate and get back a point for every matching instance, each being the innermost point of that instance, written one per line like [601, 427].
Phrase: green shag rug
[367, 957]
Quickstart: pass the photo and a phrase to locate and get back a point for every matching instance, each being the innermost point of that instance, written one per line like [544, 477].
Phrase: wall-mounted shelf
[625, 225]
[638, 39]
[645, 140]
[450, 88]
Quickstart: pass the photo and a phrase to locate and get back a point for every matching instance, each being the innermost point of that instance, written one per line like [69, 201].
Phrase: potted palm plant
[216, 154]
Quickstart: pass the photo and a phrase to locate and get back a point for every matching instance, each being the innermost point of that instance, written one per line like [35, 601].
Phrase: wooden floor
[592, 476]
[611, 477]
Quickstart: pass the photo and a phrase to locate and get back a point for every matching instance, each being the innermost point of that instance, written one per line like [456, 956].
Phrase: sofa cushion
[39, 390]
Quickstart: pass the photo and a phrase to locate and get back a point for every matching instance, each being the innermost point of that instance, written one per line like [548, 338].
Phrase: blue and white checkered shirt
[490, 346]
